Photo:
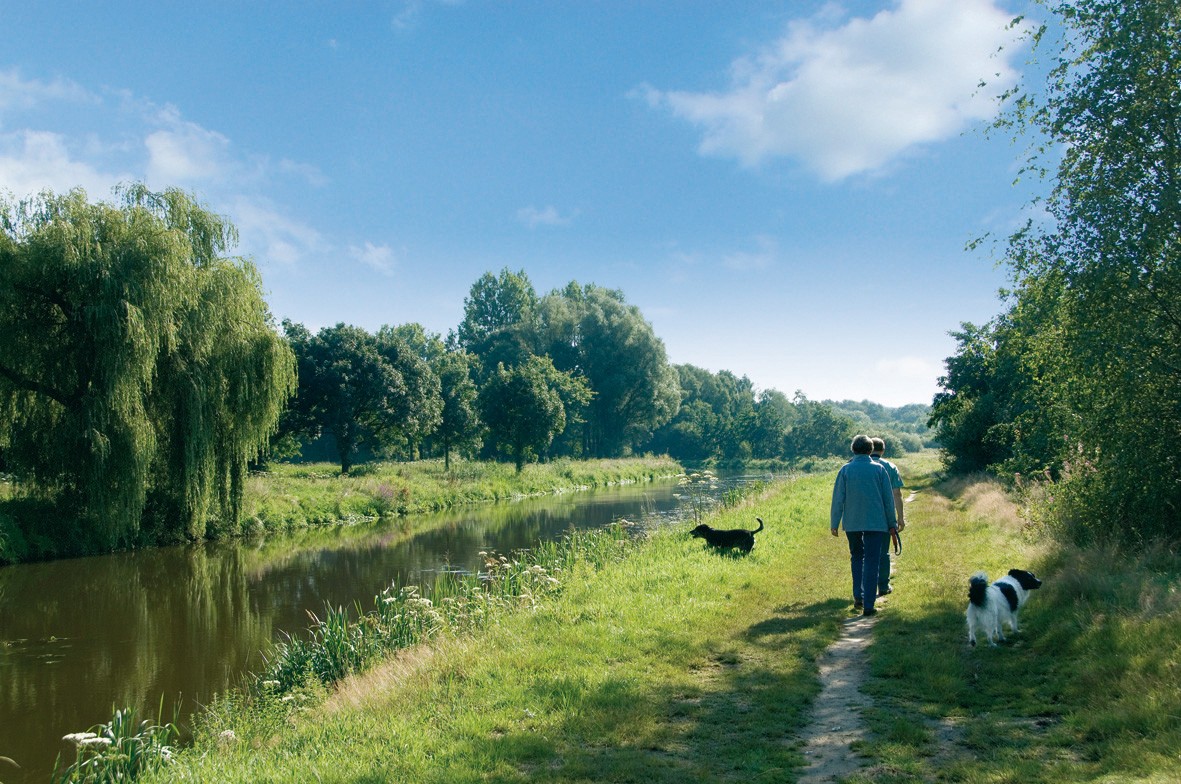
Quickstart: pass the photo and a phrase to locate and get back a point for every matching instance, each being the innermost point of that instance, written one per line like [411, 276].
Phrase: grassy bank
[290, 496]
[673, 664]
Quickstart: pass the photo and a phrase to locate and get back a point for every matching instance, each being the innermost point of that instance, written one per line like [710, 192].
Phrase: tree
[362, 389]
[1109, 258]
[819, 430]
[594, 334]
[498, 319]
[140, 369]
[523, 409]
[460, 426]
[419, 410]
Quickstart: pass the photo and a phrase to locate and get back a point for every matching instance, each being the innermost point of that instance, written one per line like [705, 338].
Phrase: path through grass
[677, 664]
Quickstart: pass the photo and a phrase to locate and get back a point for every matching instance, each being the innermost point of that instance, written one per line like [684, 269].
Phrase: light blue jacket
[862, 498]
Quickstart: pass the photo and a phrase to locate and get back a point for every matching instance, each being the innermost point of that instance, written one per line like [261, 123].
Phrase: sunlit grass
[290, 496]
[672, 664]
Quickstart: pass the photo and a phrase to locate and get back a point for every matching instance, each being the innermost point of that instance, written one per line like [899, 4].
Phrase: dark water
[80, 637]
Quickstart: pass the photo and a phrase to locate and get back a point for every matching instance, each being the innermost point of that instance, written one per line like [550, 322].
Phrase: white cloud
[19, 93]
[267, 233]
[100, 140]
[546, 216]
[379, 257]
[34, 161]
[851, 98]
[184, 153]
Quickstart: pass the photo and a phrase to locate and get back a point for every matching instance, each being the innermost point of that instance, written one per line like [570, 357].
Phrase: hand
[834, 532]
[901, 525]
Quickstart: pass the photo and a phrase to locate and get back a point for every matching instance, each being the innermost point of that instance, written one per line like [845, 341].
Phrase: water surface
[79, 637]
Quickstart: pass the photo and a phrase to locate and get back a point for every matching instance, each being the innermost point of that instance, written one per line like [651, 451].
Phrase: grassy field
[291, 495]
[672, 664]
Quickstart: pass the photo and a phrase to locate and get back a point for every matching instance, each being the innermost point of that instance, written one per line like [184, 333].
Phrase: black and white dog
[728, 538]
[992, 606]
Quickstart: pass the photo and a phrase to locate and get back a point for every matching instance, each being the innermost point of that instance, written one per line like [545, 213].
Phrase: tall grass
[121, 750]
[342, 643]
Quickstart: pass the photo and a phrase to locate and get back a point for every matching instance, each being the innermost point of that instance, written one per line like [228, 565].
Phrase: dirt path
[836, 715]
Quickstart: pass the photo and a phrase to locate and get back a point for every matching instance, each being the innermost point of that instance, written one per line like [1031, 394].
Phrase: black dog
[726, 539]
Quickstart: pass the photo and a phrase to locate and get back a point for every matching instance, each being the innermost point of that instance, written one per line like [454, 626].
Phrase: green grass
[674, 664]
[291, 496]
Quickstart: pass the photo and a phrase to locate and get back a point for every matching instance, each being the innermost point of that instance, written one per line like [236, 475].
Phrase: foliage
[496, 303]
[362, 389]
[591, 332]
[139, 370]
[460, 428]
[1075, 376]
[121, 750]
[522, 408]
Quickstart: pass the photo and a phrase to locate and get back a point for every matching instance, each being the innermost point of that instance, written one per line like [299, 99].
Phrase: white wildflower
[77, 737]
[95, 743]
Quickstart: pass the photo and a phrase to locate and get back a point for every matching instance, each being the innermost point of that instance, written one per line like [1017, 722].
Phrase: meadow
[658, 660]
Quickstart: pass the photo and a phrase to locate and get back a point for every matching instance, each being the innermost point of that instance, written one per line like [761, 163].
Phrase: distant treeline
[575, 373]
[141, 375]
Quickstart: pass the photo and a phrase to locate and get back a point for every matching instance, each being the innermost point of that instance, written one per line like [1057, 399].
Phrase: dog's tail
[760, 525]
[978, 589]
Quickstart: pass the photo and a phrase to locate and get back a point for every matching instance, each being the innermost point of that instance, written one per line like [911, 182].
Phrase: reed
[121, 750]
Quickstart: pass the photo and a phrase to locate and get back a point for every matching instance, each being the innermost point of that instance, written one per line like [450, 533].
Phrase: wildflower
[77, 737]
[229, 736]
[94, 743]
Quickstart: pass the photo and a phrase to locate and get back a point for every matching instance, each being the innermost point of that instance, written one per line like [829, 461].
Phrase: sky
[786, 190]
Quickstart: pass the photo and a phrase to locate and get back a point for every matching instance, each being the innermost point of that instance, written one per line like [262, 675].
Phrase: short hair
[879, 444]
[862, 444]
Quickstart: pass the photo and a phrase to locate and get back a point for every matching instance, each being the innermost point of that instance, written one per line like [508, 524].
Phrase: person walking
[863, 503]
[896, 484]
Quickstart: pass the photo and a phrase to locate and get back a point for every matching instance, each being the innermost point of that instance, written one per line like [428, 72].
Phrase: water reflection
[82, 636]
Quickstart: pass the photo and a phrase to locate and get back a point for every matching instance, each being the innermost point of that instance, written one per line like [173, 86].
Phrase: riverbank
[292, 496]
[297, 495]
[676, 664]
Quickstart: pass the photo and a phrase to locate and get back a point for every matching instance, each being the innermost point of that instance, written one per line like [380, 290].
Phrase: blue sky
[785, 189]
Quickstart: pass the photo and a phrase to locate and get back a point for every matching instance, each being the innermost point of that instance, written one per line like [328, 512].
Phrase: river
[80, 637]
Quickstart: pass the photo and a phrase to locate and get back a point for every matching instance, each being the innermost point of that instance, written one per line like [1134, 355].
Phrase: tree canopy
[1082, 375]
[140, 369]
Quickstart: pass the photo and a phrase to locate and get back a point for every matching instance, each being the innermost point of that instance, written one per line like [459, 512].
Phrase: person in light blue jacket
[863, 502]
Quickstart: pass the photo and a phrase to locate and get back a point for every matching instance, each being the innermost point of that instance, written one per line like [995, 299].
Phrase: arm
[899, 511]
[838, 503]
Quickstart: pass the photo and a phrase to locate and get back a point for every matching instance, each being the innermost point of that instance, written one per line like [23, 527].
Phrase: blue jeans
[865, 558]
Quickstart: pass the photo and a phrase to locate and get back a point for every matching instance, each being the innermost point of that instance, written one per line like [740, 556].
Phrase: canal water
[80, 637]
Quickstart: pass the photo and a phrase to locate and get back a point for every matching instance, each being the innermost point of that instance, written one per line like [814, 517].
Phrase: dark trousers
[884, 569]
[865, 559]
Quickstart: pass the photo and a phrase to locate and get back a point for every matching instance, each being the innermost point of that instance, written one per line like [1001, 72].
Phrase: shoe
[869, 612]
[889, 589]
[858, 604]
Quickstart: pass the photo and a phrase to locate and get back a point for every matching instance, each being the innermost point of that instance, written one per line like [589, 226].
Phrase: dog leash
[897, 539]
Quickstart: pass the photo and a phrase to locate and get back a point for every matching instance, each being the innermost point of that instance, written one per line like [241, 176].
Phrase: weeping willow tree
[140, 369]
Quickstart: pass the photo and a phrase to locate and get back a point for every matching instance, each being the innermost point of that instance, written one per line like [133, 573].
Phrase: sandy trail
[836, 714]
